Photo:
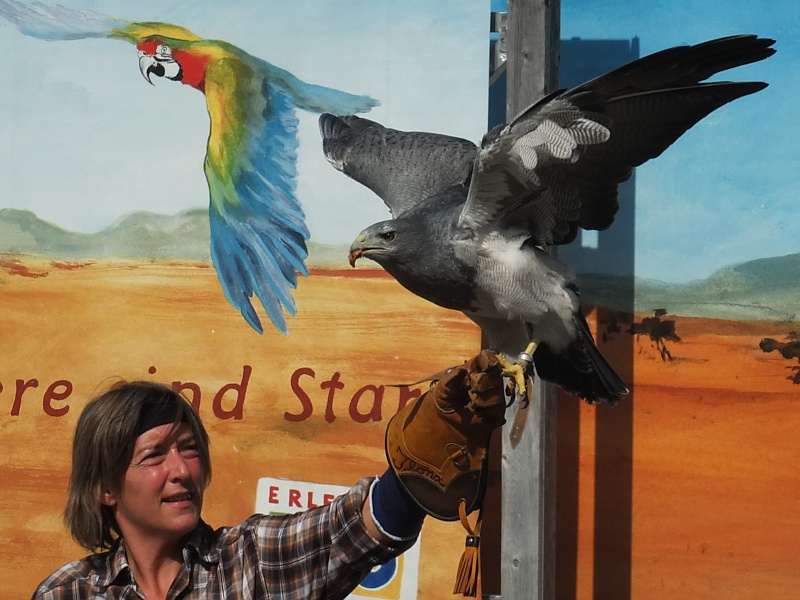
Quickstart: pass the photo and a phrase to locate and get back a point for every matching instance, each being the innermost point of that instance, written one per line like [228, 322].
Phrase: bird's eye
[163, 50]
[387, 235]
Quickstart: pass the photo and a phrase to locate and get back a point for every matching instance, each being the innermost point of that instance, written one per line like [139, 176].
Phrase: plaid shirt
[324, 552]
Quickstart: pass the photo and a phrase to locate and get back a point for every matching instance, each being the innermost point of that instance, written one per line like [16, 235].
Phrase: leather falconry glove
[438, 448]
[437, 445]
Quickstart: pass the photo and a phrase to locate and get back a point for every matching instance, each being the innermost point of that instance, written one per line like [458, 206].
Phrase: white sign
[395, 580]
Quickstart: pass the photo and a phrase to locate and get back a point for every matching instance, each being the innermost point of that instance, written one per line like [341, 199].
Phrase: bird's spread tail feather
[582, 370]
[342, 103]
[607, 385]
[318, 98]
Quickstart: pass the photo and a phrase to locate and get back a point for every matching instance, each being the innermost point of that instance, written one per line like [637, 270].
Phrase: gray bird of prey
[471, 225]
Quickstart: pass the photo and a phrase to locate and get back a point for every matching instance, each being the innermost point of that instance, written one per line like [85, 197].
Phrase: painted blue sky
[727, 191]
[84, 139]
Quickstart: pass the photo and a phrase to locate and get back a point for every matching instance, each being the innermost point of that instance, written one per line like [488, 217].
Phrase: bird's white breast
[523, 283]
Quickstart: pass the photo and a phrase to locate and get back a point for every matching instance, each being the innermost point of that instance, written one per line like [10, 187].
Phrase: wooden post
[533, 39]
[528, 471]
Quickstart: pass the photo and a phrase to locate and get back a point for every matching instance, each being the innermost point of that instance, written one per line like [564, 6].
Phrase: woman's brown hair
[102, 450]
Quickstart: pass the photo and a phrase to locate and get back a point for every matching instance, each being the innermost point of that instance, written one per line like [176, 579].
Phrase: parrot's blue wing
[258, 233]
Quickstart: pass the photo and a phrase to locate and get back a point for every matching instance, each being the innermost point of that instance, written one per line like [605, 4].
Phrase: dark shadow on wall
[609, 254]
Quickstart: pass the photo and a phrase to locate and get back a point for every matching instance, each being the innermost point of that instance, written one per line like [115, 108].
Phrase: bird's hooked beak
[160, 66]
[357, 248]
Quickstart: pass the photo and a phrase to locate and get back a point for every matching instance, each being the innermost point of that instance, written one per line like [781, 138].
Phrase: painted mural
[688, 486]
[133, 245]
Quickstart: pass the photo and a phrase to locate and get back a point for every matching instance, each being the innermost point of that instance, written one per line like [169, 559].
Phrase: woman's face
[162, 493]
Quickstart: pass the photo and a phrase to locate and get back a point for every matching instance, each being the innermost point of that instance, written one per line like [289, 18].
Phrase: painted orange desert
[715, 446]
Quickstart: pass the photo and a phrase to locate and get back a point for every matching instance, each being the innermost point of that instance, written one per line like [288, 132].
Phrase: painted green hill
[143, 235]
[761, 289]
[137, 235]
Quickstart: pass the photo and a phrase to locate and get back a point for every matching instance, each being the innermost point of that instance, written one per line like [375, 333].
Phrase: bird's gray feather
[403, 168]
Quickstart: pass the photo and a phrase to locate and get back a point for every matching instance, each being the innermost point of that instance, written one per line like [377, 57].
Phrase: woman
[140, 466]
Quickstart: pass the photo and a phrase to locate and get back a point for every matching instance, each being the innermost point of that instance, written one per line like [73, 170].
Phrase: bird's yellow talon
[517, 373]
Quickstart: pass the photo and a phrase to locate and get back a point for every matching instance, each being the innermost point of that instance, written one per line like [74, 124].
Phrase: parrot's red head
[158, 57]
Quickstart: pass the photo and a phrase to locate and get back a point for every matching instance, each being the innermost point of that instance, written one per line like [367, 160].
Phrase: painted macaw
[258, 232]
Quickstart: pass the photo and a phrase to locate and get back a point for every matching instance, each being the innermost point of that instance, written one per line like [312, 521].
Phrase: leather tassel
[469, 568]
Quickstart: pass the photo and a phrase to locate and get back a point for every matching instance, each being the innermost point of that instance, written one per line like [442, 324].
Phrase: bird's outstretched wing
[60, 23]
[558, 165]
[402, 167]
